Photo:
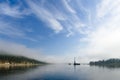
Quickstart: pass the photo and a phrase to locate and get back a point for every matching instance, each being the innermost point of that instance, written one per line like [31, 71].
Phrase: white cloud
[106, 7]
[104, 41]
[69, 8]
[70, 33]
[14, 31]
[46, 16]
[13, 11]
[57, 19]
[8, 29]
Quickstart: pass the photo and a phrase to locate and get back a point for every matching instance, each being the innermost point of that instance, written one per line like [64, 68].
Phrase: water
[59, 72]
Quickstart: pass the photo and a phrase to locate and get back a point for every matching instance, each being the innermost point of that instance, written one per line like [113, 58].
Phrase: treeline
[107, 63]
[12, 59]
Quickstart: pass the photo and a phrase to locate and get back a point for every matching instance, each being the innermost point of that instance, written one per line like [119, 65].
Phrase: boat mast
[74, 61]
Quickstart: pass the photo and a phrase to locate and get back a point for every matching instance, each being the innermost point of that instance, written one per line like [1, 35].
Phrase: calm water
[60, 72]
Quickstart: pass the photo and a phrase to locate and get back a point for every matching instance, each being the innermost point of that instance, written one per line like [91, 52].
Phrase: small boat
[75, 62]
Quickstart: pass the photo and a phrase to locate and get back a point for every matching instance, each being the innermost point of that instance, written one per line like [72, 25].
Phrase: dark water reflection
[11, 70]
[60, 72]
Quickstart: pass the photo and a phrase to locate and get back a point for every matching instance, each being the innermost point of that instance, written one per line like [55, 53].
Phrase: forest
[108, 63]
[14, 59]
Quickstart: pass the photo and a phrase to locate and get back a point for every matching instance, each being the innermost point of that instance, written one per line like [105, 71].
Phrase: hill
[14, 60]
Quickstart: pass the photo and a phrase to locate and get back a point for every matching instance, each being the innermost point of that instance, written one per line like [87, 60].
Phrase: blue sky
[60, 30]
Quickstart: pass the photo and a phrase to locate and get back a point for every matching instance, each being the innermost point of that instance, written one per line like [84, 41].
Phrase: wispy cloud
[14, 31]
[45, 16]
[13, 11]
[58, 19]
[68, 7]
[10, 30]
[70, 32]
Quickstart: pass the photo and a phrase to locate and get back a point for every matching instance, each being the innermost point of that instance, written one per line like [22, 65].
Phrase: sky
[59, 30]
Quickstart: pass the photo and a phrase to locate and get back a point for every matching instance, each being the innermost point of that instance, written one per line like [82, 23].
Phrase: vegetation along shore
[12, 60]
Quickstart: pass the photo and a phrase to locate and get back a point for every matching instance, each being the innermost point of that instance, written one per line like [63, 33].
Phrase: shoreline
[18, 65]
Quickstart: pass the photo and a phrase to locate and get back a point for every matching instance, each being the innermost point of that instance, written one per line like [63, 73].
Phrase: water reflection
[74, 68]
[11, 70]
[106, 66]
[59, 72]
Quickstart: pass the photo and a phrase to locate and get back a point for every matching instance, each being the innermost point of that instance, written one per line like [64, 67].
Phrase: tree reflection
[7, 69]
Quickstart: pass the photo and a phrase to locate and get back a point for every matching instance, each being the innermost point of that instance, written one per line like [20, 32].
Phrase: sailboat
[75, 62]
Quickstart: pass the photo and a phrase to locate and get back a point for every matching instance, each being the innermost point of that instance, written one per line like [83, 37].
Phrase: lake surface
[60, 72]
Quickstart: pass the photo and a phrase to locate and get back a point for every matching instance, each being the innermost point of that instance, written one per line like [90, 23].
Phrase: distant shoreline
[114, 62]
[3, 64]
[19, 65]
[12, 60]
